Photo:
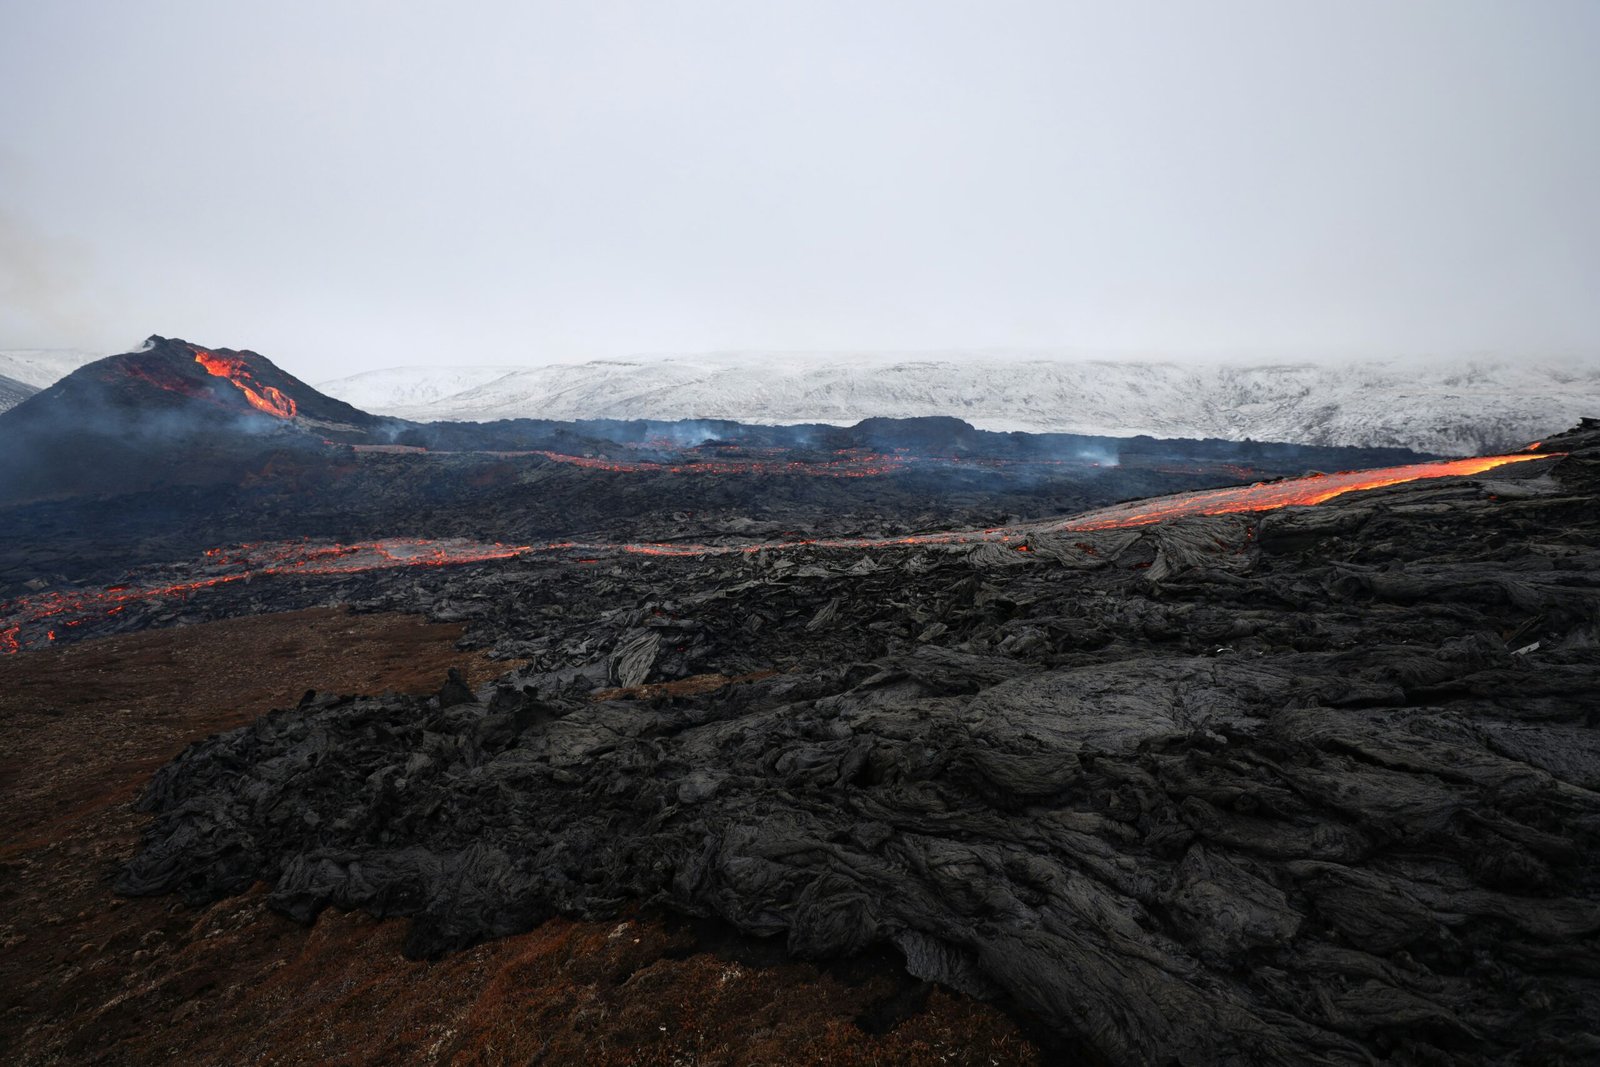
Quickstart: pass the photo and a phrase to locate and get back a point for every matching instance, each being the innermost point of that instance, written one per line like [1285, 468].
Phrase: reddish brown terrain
[90, 977]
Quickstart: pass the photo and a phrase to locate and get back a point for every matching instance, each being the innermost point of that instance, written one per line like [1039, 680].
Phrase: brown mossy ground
[89, 977]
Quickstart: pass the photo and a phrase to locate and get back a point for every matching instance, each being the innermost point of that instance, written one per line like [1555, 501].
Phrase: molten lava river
[261, 397]
[1265, 496]
[33, 621]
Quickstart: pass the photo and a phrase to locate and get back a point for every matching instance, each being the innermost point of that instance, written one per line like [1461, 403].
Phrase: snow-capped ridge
[13, 392]
[1451, 406]
[43, 367]
[395, 387]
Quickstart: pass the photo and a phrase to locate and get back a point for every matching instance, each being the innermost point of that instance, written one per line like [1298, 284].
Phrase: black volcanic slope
[1319, 786]
[172, 413]
[213, 386]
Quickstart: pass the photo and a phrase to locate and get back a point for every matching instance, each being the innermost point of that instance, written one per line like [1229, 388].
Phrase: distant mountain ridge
[43, 367]
[25, 371]
[1446, 406]
[1452, 407]
[13, 392]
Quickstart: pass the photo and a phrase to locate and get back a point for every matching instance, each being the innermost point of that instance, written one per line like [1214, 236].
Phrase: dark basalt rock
[1314, 787]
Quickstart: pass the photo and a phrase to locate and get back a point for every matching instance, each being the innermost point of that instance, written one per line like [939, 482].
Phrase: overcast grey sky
[345, 185]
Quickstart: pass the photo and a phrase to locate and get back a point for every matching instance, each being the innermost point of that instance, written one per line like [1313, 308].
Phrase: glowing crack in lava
[262, 397]
[73, 608]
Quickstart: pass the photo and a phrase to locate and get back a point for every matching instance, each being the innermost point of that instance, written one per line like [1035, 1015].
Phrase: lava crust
[1319, 786]
[90, 979]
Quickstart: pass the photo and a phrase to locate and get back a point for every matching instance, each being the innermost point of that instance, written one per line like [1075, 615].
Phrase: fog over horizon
[351, 186]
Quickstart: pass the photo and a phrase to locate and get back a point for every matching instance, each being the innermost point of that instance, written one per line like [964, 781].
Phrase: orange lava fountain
[262, 397]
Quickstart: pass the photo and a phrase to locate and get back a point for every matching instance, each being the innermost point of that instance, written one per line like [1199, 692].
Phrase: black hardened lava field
[1176, 752]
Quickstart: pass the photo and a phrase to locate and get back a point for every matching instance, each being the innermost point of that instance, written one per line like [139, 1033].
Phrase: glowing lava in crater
[72, 608]
[261, 397]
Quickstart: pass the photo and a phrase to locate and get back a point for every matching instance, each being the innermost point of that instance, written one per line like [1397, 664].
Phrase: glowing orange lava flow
[1264, 496]
[265, 398]
[223, 566]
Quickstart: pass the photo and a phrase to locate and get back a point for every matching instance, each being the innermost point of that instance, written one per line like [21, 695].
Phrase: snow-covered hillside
[24, 371]
[13, 392]
[41, 367]
[382, 391]
[1448, 406]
